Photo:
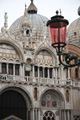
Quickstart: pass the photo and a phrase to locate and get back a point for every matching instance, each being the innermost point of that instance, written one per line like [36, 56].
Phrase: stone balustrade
[38, 80]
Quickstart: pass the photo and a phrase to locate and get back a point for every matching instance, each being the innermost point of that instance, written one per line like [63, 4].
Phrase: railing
[45, 81]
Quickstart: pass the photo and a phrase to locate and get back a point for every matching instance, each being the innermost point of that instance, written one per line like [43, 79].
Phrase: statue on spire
[5, 20]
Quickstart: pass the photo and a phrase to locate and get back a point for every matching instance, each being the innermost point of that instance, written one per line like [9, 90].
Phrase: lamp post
[58, 26]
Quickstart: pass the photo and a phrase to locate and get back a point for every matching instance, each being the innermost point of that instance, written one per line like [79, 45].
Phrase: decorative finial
[5, 20]
[25, 12]
[25, 5]
[79, 11]
[57, 12]
[60, 12]
[31, 0]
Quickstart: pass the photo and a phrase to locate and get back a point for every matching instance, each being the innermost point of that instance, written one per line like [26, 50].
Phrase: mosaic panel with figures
[8, 52]
[49, 100]
[44, 57]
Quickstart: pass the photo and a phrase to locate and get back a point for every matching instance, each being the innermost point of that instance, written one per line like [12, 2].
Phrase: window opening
[4, 68]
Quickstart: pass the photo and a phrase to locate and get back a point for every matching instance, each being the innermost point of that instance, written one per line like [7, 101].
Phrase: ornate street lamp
[58, 26]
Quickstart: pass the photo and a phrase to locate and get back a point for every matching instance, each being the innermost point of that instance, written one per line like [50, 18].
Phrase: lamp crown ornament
[58, 30]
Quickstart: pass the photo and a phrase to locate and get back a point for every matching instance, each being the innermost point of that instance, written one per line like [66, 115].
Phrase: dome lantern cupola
[32, 9]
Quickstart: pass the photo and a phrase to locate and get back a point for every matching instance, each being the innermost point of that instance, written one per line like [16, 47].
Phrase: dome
[36, 22]
[73, 34]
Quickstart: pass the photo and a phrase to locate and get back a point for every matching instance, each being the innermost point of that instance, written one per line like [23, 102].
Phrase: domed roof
[36, 23]
[73, 34]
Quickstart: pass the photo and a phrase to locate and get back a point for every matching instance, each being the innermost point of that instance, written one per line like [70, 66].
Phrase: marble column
[20, 70]
[23, 69]
[13, 71]
[0, 68]
[60, 115]
[68, 114]
[32, 114]
[38, 74]
[56, 73]
[59, 72]
[48, 74]
[62, 72]
[38, 114]
[43, 72]
[33, 73]
[33, 70]
[68, 73]
[65, 115]
[7, 68]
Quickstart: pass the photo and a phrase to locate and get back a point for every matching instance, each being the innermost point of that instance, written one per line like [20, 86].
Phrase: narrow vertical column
[53, 72]
[38, 74]
[62, 72]
[60, 115]
[33, 74]
[31, 37]
[33, 114]
[7, 68]
[23, 69]
[68, 73]
[38, 114]
[13, 71]
[33, 70]
[53, 76]
[20, 71]
[43, 72]
[68, 114]
[59, 72]
[56, 73]
[0, 68]
[65, 115]
[48, 74]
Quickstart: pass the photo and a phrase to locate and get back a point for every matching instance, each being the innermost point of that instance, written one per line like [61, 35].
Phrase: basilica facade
[33, 86]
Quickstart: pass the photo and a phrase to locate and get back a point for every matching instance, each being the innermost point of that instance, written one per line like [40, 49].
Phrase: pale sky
[47, 8]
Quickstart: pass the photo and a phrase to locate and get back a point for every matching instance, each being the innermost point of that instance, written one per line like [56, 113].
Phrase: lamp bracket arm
[68, 60]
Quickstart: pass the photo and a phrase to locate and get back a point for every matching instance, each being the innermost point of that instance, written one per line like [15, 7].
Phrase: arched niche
[52, 99]
[15, 46]
[9, 52]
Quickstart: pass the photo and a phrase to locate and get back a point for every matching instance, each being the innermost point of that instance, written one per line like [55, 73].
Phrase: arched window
[50, 72]
[48, 116]
[11, 69]
[41, 72]
[17, 69]
[46, 72]
[4, 68]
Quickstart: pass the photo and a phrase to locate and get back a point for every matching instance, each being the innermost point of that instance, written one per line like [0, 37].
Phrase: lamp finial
[57, 12]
